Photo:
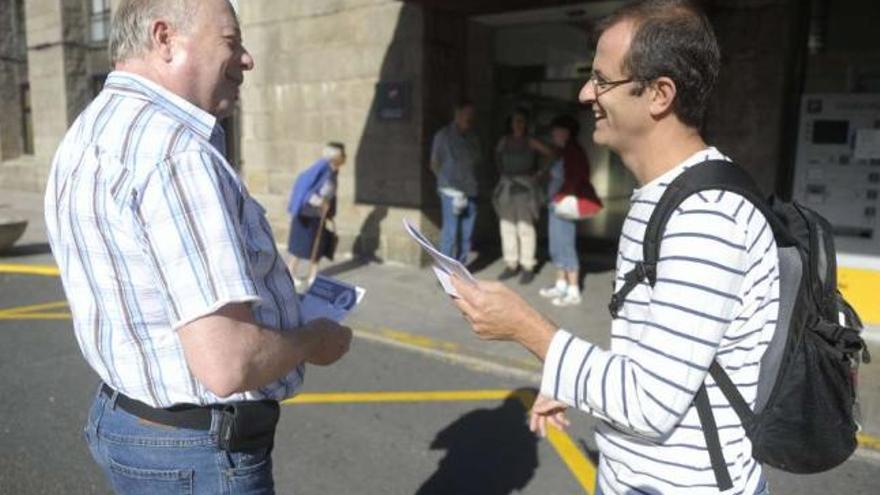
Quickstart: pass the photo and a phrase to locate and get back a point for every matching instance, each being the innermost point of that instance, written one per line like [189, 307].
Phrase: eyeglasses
[601, 85]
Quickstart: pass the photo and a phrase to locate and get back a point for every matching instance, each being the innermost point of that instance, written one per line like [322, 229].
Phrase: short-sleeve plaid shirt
[152, 229]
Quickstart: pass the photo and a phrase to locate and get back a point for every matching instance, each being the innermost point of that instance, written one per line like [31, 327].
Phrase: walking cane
[317, 242]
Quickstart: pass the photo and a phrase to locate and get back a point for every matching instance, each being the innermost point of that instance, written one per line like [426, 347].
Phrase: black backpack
[805, 415]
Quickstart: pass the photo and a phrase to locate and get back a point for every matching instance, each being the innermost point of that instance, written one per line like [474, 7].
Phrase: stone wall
[61, 63]
[13, 72]
[317, 65]
[47, 75]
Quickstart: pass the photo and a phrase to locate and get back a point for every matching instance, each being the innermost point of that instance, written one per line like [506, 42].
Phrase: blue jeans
[457, 228]
[139, 457]
[562, 236]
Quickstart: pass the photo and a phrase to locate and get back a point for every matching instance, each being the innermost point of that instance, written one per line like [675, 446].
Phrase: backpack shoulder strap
[709, 175]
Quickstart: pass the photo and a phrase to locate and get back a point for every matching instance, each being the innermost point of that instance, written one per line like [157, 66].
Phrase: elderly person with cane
[313, 203]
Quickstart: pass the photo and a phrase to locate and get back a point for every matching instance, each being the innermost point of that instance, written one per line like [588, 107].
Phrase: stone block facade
[59, 65]
[318, 64]
[13, 73]
[317, 67]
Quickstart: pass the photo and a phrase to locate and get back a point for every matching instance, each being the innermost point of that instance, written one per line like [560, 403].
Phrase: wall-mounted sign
[392, 100]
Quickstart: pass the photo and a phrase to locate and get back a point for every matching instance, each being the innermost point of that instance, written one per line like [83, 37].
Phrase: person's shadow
[366, 244]
[488, 451]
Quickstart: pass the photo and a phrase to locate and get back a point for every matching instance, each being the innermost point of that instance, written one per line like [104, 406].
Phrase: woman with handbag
[572, 198]
[517, 198]
[312, 207]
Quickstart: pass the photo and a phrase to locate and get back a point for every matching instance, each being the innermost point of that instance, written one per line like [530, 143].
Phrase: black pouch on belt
[248, 425]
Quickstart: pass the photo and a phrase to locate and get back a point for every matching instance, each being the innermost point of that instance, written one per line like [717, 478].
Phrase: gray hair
[130, 31]
[333, 149]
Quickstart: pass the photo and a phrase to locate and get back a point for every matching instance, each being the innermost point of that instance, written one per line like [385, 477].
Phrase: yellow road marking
[33, 308]
[425, 396]
[868, 441]
[35, 316]
[580, 466]
[383, 334]
[44, 270]
[418, 340]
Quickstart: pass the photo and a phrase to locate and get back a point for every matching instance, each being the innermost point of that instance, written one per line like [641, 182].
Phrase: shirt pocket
[258, 239]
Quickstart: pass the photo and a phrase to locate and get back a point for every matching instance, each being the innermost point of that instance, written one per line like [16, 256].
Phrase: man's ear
[161, 36]
[663, 93]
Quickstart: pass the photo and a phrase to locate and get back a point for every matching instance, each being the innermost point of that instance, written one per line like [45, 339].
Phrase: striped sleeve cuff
[564, 367]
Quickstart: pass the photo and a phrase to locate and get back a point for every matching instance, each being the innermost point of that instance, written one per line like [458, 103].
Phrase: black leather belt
[189, 416]
[243, 425]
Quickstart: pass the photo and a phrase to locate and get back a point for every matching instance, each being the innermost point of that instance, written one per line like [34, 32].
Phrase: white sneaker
[552, 292]
[568, 299]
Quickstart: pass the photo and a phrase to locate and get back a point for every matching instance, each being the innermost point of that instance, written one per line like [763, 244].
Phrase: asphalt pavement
[419, 406]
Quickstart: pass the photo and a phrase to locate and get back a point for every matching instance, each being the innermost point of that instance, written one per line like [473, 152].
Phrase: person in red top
[568, 175]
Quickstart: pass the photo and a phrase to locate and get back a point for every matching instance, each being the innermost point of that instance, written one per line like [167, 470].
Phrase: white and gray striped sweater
[716, 297]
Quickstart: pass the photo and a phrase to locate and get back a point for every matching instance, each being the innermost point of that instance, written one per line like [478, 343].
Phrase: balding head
[192, 48]
[130, 35]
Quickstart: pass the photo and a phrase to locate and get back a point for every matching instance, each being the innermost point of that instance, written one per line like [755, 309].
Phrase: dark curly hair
[673, 38]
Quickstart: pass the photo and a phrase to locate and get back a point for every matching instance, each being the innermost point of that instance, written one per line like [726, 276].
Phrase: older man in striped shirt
[180, 300]
[717, 290]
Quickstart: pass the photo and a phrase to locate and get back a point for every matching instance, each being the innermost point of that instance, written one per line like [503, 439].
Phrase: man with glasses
[717, 284]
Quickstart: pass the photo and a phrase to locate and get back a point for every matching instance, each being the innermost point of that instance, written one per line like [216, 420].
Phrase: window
[27, 122]
[99, 15]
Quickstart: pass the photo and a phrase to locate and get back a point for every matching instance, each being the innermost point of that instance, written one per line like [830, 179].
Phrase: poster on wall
[392, 100]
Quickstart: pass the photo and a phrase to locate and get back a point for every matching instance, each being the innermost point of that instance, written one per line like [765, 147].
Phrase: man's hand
[497, 313]
[331, 341]
[547, 410]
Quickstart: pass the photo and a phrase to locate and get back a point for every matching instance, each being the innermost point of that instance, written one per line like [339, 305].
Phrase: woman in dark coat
[312, 202]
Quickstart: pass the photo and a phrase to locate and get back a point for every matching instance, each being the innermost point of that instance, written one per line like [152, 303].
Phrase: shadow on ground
[25, 250]
[488, 451]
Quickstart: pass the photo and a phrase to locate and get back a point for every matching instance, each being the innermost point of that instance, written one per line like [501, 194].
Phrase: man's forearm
[538, 339]
[229, 352]
[273, 355]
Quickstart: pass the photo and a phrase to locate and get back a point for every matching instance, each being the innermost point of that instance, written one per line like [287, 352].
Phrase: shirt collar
[708, 153]
[199, 121]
